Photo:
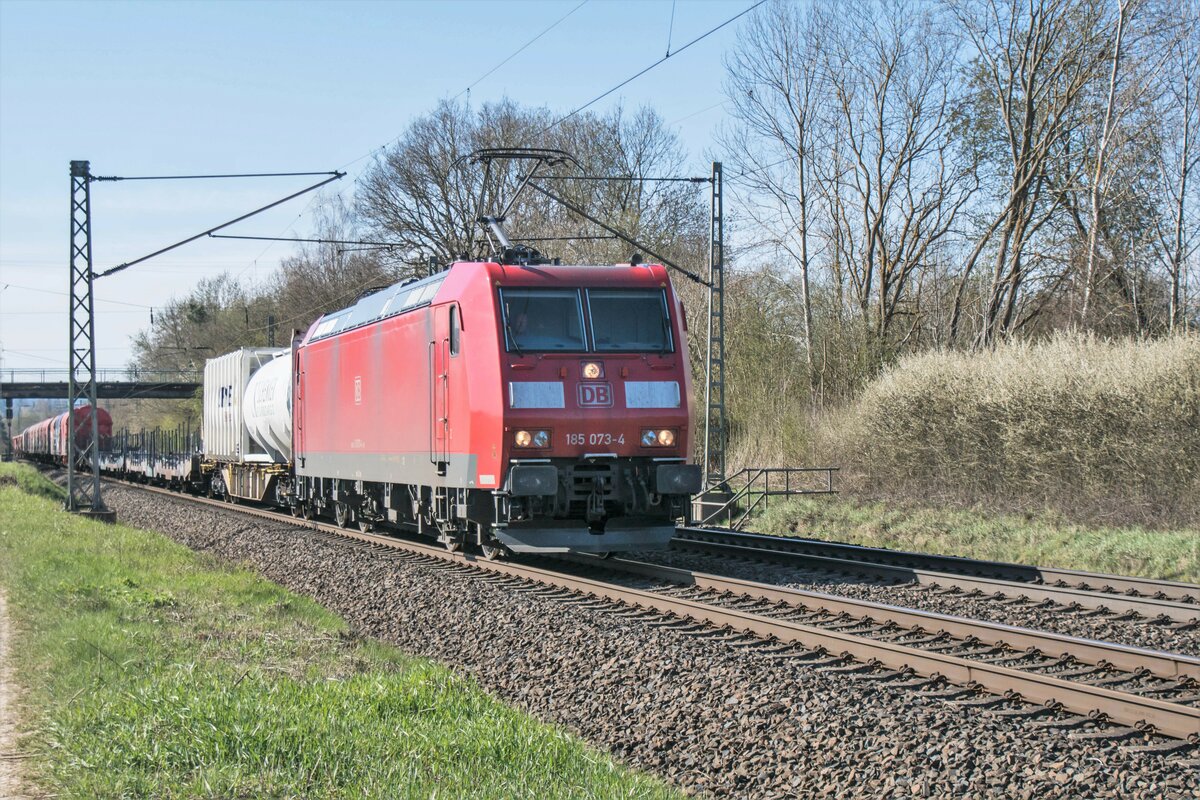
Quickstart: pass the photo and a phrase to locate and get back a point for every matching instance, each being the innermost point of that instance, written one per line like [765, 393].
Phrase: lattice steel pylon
[714, 390]
[83, 492]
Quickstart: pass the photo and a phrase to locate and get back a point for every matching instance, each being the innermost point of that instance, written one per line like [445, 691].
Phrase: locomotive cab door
[439, 390]
[298, 407]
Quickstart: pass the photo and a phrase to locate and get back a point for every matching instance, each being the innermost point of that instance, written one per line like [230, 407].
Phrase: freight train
[47, 441]
[523, 408]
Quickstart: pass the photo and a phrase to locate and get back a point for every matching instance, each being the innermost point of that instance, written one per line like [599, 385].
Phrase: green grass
[30, 481]
[1023, 538]
[150, 671]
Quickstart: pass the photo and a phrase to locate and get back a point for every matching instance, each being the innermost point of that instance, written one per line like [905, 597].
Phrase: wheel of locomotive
[296, 510]
[366, 525]
[342, 514]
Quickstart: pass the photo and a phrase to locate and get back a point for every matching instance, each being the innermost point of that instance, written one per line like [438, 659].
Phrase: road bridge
[111, 384]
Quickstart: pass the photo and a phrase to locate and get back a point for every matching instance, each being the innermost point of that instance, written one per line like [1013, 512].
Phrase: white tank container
[268, 407]
[226, 380]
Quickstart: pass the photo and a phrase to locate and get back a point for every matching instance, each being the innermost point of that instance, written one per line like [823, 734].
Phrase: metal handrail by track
[757, 491]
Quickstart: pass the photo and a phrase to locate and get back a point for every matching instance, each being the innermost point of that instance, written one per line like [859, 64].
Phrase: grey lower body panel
[563, 536]
[409, 468]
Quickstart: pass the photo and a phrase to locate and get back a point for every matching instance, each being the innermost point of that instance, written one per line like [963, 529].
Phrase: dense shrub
[1108, 428]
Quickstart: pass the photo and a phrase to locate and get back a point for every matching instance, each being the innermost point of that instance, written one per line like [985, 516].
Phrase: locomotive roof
[389, 302]
[413, 294]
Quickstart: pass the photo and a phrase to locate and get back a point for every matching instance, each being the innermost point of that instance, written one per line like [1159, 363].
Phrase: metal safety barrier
[749, 491]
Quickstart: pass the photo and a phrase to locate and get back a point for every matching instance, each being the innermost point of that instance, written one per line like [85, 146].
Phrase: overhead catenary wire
[478, 80]
[31, 355]
[522, 48]
[627, 178]
[59, 312]
[763, 168]
[301, 239]
[207, 177]
[686, 117]
[65, 294]
[643, 71]
[334, 176]
[670, 29]
[618, 234]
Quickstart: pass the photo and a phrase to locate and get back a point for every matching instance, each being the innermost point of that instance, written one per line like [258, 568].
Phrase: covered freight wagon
[247, 423]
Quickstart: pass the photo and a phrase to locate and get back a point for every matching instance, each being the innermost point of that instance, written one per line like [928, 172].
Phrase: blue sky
[152, 88]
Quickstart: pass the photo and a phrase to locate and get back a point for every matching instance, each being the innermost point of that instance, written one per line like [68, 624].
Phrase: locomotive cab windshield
[543, 320]
[616, 320]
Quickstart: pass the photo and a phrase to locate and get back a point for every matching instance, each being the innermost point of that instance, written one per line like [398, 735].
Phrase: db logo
[595, 395]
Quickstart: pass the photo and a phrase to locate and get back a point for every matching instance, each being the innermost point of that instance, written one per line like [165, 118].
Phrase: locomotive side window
[454, 343]
[630, 320]
[542, 320]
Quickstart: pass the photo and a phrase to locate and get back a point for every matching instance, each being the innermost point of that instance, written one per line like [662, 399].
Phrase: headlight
[592, 370]
[532, 438]
[662, 438]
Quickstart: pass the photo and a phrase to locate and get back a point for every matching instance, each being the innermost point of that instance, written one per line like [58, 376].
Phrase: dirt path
[10, 779]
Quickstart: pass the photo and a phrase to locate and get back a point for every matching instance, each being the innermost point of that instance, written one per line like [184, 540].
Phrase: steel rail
[1150, 607]
[1170, 719]
[1089, 651]
[1093, 581]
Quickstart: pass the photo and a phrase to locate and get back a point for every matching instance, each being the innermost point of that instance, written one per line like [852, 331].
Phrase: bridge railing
[112, 375]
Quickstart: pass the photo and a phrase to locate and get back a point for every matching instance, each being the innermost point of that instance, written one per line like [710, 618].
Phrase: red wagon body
[47, 440]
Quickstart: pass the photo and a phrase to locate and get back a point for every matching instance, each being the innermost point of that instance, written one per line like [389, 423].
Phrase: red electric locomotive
[534, 408]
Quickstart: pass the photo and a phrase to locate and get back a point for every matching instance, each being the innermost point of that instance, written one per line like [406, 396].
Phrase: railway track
[1134, 598]
[1059, 682]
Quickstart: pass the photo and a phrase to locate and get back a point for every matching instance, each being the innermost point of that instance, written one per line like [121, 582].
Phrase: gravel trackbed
[706, 716]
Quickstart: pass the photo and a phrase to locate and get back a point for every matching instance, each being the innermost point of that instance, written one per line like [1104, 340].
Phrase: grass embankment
[1102, 432]
[151, 671]
[1040, 540]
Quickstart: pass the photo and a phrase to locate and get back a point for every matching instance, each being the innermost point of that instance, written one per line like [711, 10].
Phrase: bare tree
[898, 172]
[1101, 172]
[772, 85]
[860, 101]
[323, 277]
[416, 195]
[1034, 62]
[1177, 231]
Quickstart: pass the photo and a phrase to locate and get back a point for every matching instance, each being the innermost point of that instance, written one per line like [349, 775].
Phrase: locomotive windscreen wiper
[512, 337]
